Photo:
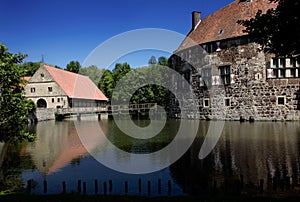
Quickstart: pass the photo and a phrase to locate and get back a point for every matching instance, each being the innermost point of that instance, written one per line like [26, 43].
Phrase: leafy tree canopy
[278, 30]
[14, 107]
[73, 66]
[152, 60]
[163, 61]
[30, 67]
[145, 94]
[93, 72]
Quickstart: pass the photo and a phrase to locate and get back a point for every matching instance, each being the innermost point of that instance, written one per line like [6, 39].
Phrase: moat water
[248, 158]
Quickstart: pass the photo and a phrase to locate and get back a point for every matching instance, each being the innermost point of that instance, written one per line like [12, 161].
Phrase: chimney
[196, 18]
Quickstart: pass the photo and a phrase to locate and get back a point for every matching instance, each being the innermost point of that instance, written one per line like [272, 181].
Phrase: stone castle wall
[250, 93]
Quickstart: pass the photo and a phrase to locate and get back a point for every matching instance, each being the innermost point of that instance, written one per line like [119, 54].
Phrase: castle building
[232, 78]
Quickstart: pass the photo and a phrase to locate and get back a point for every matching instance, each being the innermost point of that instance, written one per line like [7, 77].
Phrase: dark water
[248, 158]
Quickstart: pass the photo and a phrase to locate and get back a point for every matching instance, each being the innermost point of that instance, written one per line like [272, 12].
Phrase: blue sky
[65, 30]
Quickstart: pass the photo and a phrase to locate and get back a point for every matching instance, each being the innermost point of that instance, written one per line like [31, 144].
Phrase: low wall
[41, 115]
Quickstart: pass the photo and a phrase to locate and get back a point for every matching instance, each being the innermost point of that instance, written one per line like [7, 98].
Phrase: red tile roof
[75, 85]
[225, 19]
[27, 78]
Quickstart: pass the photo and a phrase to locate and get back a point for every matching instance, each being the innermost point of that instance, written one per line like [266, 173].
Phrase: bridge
[109, 109]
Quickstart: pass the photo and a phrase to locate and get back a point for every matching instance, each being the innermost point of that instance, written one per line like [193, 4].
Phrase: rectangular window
[58, 99]
[293, 62]
[274, 62]
[282, 73]
[227, 102]
[225, 74]
[283, 68]
[52, 100]
[206, 76]
[50, 89]
[280, 100]
[32, 90]
[293, 73]
[282, 62]
[206, 103]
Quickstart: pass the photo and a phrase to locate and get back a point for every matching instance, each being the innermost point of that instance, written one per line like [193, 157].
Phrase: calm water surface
[245, 154]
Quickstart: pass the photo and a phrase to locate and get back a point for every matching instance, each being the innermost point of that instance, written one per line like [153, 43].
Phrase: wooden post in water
[79, 186]
[275, 184]
[104, 188]
[110, 186]
[64, 187]
[96, 186]
[126, 187]
[45, 186]
[261, 185]
[149, 188]
[159, 186]
[140, 185]
[29, 186]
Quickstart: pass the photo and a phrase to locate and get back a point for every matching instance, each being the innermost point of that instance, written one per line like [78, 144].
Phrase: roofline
[174, 52]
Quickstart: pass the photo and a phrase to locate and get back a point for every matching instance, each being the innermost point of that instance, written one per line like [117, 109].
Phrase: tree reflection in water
[247, 153]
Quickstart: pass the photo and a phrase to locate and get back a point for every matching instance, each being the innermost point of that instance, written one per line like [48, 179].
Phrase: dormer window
[220, 32]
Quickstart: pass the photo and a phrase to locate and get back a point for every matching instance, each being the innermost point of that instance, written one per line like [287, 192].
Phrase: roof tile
[75, 85]
[225, 19]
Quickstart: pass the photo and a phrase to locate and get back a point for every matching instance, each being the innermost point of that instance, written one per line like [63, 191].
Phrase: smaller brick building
[52, 88]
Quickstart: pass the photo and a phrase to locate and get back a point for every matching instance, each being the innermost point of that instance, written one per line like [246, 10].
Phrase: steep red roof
[75, 85]
[222, 24]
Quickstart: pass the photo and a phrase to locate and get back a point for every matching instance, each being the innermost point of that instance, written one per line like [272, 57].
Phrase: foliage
[163, 61]
[14, 107]
[107, 83]
[12, 166]
[73, 66]
[93, 72]
[30, 67]
[138, 76]
[152, 60]
[277, 30]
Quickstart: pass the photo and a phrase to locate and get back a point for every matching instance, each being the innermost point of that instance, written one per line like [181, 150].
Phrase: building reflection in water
[246, 153]
[58, 144]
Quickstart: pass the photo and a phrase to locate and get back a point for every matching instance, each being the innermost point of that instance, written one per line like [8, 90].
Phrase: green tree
[93, 72]
[163, 61]
[152, 60]
[107, 83]
[14, 107]
[30, 67]
[73, 66]
[120, 70]
[277, 30]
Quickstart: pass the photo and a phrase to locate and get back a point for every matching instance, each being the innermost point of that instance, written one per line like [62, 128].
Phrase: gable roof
[75, 85]
[222, 24]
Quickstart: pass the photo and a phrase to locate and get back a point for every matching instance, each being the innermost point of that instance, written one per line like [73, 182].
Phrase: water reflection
[246, 154]
[265, 151]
